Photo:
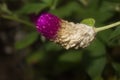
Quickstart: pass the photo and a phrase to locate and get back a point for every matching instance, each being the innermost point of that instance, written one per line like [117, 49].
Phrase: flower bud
[67, 34]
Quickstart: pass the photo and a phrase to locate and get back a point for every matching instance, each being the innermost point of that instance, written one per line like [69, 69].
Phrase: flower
[48, 25]
[67, 34]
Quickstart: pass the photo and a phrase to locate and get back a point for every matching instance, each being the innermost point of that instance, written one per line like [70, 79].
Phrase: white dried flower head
[72, 35]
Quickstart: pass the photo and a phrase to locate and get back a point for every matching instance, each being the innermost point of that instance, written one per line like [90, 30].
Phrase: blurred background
[26, 55]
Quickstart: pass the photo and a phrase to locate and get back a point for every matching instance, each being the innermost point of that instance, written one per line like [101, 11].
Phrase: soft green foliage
[96, 67]
[100, 50]
[114, 37]
[117, 67]
[54, 62]
[115, 33]
[27, 41]
[69, 56]
[32, 8]
[36, 56]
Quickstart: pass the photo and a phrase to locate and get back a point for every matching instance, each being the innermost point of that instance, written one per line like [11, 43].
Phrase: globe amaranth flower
[67, 34]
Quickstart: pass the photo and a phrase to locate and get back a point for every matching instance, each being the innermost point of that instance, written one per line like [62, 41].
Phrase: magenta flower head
[48, 25]
[67, 34]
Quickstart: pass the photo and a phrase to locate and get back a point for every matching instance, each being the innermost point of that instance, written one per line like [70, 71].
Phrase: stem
[15, 18]
[107, 27]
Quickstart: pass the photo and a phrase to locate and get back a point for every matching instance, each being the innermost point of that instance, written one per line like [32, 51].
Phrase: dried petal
[73, 35]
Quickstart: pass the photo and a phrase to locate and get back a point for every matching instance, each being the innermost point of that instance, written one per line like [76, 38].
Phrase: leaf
[107, 5]
[27, 41]
[89, 22]
[95, 11]
[115, 33]
[114, 38]
[114, 1]
[71, 56]
[49, 2]
[96, 48]
[104, 36]
[117, 67]
[97, 59]
[65, 10]
[52, 46]
[32, 8]
[96, 67]
[36, 56]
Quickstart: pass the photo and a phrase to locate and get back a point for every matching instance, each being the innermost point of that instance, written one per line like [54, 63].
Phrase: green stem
[107, 27]
[15, 18]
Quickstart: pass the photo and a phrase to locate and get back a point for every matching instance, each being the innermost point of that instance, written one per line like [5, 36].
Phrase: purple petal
[48, 25]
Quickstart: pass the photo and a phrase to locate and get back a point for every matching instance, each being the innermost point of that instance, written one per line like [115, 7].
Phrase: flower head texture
[67, 34]
[48, 25]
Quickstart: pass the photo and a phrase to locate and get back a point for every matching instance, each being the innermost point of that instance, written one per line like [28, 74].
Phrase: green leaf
[114, 38]
[36, 56]
[95, 11]
[71, 56]
[96, 67]
[96, 48]
[104, 36]
[117, 67]
[109, 6]
[52, 46]
[115, 33]
[114, 1]
[97, 59]
[89, 22]
[48, 2]
[65, 10]
[27, 41]
[32, 8]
